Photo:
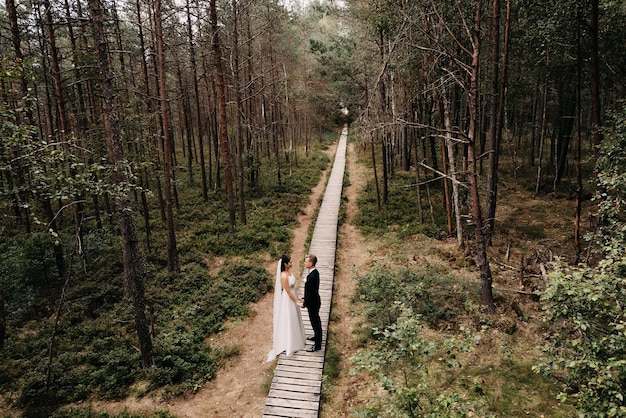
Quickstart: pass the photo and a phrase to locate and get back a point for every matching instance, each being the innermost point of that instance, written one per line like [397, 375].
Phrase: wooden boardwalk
[297, 384]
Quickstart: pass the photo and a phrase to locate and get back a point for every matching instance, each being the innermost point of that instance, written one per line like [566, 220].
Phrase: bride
[288, 333]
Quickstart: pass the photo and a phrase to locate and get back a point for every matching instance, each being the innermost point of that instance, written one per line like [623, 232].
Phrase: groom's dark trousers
[312, 302]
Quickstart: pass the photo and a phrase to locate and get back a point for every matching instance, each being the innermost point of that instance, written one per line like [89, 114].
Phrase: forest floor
[531, 232]
[240, 387]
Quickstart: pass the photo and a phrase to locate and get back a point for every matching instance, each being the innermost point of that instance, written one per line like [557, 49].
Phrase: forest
[155, 155]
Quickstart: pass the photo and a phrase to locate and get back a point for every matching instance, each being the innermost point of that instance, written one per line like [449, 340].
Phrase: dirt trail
[239, 387]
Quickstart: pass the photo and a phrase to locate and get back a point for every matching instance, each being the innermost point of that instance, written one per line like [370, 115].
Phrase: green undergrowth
[423, 337]
[400, 214]
[436, 354]
[92, 352]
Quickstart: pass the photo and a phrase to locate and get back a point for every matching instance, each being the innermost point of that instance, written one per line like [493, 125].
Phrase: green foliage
[94, 354]
[400, 213]
[398, 360]
[432, 349]
[398, 304]
[586, 340]
[435, 296]
[611, 176]
[26, 273]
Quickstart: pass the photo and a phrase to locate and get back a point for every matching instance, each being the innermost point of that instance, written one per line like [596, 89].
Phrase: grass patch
[399, 215]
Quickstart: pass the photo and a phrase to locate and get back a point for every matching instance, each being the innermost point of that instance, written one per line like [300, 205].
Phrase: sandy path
[239, 389]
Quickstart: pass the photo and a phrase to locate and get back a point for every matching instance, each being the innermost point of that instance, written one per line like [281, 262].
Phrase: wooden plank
[310, 362]
[293, 403]
[305, 376]
[297, 382]
[295, 395]
[301, 356]
[304, 370]
[280, 386]
[273, 411]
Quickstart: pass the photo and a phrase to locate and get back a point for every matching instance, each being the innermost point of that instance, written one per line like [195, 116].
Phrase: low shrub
[437, 297]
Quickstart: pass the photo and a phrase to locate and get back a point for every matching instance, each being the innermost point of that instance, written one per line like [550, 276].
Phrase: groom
[312, 301]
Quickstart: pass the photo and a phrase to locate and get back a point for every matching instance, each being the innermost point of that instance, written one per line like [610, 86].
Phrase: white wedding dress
[288, 334]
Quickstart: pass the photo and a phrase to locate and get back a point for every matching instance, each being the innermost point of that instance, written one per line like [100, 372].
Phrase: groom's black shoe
[310, 338]
[313, 349]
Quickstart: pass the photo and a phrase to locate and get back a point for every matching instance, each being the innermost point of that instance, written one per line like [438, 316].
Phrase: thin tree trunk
[239, 111]
[385, 168]
[375, 171]
[20, 212]
[445, 157]
[223, 127]
[418, 188]
[596, 111]
[172, 253]
[494, 144]
[61, 127]
[452, 174]
[132, 258]
[579, 177]
[542, 137]
[148, 110]
[199, 115]
[481, 248]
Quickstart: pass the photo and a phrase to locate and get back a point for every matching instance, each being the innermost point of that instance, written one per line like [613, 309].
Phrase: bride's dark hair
[285, 259]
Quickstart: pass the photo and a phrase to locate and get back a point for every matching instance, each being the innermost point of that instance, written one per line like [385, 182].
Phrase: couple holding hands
[288, 333]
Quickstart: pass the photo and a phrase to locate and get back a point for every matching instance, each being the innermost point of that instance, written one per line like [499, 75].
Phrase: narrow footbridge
[297, 384]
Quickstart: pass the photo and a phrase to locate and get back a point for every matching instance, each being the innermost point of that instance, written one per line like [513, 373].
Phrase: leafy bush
[436, 297]
[398, 360]
[586, 341]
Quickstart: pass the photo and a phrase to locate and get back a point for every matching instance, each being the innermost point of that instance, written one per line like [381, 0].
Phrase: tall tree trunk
[579, 177]
[61, 127]
[223, 127]
[445, 157]
[542, 136]
[494, 144]
[172, 253]
[132, 258]
[239, 111]
[148, 110]
[21, 213]
[251, 144]
[385, 168]
[482, 260]
[56, 70]
[452, 174]
[199, 113]
[375, 171]
[418, 180]
[596, 111]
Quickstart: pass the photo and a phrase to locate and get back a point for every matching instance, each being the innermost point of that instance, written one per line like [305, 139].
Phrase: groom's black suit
[312, 302]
